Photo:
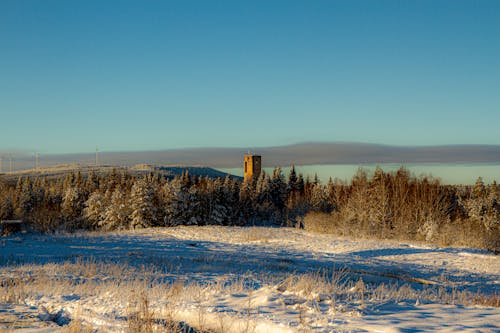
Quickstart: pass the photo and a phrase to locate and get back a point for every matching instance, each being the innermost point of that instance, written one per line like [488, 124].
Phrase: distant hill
[167, 171]
[298, 154]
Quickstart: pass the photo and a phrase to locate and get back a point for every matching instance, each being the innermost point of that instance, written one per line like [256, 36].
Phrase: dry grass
[255, 234]
[460, 233]
[486, 300]
[150, 306]
[336, 287]
[77, 326]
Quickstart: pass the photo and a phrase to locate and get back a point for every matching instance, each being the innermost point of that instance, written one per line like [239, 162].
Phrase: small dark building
[8, 227]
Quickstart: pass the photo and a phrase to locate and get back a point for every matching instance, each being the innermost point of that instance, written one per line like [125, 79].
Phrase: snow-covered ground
[243, 280]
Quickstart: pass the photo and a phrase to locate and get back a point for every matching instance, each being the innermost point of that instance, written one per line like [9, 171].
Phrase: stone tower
[252, 166]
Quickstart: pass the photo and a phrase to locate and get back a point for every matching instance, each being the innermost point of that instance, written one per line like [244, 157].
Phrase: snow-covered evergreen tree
[279, 196]
[278, 189]
[246, 201]
[143, 205]
[319, 200]
[263, 189]
[95, 208]
[182, 203]
[72, 203]
[117, 213]
[6, 208]
[231, 196]
[26, 198]
[219, 213]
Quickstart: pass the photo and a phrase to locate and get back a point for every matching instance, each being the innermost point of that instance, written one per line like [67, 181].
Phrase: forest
[385, 205]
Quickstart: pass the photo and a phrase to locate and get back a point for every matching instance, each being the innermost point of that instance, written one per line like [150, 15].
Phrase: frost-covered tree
[72, 203]
[218, 211]
[278, 189]
[263, 189]
[263, 197]
[231, 196]
[479, 190]
[117, 213]
[6, 208]
[279, 196]
[95, 208]
[181, 203]
[319, 200]
[378, 203]
[246, 201]
[143, 205]
[25, 198]
[330, 195]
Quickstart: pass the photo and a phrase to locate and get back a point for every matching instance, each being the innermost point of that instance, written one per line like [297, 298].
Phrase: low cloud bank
[298, 154]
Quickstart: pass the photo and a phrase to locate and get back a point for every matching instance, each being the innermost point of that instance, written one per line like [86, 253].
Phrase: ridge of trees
[393, 205]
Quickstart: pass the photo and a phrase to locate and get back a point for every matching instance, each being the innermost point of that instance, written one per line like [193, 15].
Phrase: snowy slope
[252, 279]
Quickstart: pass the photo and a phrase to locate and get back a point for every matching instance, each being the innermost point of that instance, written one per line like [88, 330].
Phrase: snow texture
[265, 259]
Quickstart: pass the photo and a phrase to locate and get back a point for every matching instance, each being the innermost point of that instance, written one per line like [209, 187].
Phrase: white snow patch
[246, 280]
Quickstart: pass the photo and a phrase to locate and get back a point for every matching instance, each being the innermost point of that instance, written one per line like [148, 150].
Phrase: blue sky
[142, 75]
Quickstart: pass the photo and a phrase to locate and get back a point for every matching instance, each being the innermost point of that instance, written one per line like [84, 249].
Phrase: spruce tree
[95, 209]
[292, 180]
[6, 208]
[182, 203]
[143, 205]
[72, 204]
[246, 201]
[278, 189]
[117, 213]
[26, 198]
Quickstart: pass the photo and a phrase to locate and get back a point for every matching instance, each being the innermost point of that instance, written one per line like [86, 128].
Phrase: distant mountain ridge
[137, 170]
[298, 154]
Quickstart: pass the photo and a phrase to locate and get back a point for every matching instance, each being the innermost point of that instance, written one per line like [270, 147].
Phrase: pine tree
[6, 208]
[182, 203]
[143, 205]
[279, 196]
[316, 179]
[95, 208]
[26, 198]
[92, 183]
[117, 213]
[319, 200]
[278, 189]
[246, 202]
[479, 190]
[219, 213]
[231, 196]
[292, 180]
[330, 195]
[263, 200]
[263, 190]
[72, 203]
[300, 184]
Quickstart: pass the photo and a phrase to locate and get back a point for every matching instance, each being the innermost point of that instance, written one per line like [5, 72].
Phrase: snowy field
[230, 279]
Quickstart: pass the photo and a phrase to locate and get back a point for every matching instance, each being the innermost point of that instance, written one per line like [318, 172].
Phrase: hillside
[169, 171]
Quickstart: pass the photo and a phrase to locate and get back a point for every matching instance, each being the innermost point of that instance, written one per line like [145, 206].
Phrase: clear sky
[141, 75]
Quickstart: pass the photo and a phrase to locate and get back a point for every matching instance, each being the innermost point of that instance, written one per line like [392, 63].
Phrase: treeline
[385, 205]
[397, 205]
